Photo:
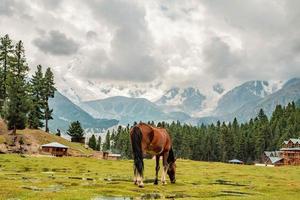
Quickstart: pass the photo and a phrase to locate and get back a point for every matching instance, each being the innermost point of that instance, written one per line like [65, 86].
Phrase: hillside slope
[29, 141]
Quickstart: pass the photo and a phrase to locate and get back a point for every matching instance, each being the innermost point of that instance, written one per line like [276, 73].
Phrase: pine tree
[262, 134]
[226, 143]
[16, 107]
[98, 147]
[75, 130]
[92, 142]
[106, 145]
[48, 92]
[36, 115]
[6, 53]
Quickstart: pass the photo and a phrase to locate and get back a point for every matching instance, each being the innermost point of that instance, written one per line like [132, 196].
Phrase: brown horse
[146, 139]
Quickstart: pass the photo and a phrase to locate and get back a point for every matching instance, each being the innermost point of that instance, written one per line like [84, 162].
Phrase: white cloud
[174, 43]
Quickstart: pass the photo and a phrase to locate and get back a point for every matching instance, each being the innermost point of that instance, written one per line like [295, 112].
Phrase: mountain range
[183, 104]
[65, 112]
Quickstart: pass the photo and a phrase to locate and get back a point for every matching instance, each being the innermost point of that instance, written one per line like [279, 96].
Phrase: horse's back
[154, 140]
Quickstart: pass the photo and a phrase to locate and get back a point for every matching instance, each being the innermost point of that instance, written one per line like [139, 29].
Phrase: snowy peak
[187, 100]
[245, 93]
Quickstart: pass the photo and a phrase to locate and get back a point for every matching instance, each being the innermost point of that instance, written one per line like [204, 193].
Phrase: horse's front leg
[165, 165]
[156, 169]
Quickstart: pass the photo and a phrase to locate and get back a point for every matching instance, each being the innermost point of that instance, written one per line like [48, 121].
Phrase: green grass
[68, 178]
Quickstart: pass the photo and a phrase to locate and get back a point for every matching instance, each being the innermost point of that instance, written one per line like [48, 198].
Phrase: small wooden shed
[55, 149]
[114, 156]
[110, 156]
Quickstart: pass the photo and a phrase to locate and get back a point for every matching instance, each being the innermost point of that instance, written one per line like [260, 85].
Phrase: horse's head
[172, 171]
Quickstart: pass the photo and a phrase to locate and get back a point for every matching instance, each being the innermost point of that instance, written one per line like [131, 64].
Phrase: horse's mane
[171, 157]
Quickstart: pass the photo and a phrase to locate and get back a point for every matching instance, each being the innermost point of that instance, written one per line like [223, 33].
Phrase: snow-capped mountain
[188, 100]
[247, 92]
[289, 92]
[88, 90]
[126, 109]
[187, 105]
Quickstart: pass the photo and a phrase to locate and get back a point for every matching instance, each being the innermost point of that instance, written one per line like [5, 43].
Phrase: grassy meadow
[24, 177]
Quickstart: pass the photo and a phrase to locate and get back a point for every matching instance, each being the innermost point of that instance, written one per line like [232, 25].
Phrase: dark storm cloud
[56, 43]
[131, 43]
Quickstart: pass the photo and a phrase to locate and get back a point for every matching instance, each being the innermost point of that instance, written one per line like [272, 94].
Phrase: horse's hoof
[155, 182]
[164, 183]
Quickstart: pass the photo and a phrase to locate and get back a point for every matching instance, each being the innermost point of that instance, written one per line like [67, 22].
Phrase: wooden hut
[291, 152]
[110, 156]
[114, 156]
[55, 149]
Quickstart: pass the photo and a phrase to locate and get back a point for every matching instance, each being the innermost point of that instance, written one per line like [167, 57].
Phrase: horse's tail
[171, 157]
[136, 141]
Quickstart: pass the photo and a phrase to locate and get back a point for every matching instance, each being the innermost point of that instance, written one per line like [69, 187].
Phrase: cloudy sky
[158, 44]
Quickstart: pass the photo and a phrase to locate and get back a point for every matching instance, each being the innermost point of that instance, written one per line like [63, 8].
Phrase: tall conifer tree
[36, 115]
[6, 51]
[48, 92]
[17, 103]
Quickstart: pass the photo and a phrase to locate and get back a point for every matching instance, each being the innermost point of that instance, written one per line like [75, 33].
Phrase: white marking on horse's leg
[140, 181]
[163, 176]
[134, 175]
[165, 170]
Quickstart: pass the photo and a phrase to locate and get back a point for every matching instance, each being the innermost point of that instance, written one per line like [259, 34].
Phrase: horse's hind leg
[165, 169]
[135, 175]
[138, 179]
[156, 170]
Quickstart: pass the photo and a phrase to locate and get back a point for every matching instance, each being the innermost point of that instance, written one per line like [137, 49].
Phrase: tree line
[223, 141]
[23, 99]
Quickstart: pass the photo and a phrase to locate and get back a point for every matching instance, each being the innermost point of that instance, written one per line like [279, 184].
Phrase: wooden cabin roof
[55, 144]
[295, 140]
[275, 159]
[290, 149]
[235, 161]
